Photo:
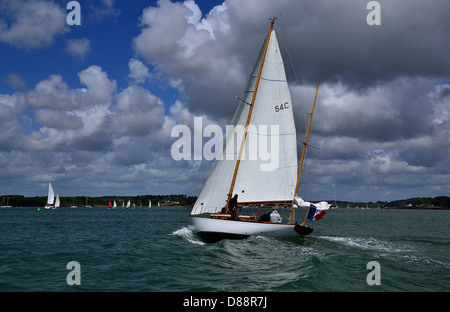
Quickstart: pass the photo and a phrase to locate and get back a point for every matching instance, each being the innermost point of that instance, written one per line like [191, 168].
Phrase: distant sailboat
[128, 205]
[114, 205]
[57, 202]
[149, 204]
[7, 203]
[50, 197]
[87, 205]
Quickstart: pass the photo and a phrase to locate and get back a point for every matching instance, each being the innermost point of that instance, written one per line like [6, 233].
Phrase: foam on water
[188, 234]
[368, 243]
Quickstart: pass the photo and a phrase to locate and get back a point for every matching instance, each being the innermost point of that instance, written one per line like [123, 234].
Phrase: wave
[368, 243]
[188, 234]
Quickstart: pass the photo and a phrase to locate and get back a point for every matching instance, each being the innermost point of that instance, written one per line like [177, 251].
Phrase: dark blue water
[155, 250]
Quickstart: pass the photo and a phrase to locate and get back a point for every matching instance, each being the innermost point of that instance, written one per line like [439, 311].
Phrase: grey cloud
[58, 119]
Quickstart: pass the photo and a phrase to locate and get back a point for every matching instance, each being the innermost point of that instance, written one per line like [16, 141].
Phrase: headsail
[261, 177]
[57, 201]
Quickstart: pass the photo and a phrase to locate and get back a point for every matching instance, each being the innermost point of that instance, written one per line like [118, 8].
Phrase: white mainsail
[50, 196]
[258, 180]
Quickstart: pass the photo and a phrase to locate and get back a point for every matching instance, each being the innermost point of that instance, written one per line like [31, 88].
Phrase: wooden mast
[272, 21]
[303, 156]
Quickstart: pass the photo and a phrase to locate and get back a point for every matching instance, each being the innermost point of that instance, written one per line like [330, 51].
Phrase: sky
[91, 107]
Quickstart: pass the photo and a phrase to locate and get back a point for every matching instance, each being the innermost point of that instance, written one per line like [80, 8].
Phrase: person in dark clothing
[232, 206]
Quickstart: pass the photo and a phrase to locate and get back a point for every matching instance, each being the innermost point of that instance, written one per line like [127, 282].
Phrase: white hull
[213, 230]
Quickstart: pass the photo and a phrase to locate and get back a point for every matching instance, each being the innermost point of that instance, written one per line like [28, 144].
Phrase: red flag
[319, 215]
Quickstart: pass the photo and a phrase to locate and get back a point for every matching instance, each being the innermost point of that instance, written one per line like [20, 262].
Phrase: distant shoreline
[418, 208]
[416, 203]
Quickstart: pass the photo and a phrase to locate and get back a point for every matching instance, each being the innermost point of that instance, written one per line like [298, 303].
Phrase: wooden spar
[250, 113]
[303, 156]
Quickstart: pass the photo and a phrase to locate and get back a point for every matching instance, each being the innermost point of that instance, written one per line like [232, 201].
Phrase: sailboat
[128, 204]
[7, 203]
[266, 102]
[50, 197]
[57, 202]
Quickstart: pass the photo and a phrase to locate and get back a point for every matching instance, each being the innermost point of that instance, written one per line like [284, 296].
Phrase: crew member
[275, 216]
[232, 206]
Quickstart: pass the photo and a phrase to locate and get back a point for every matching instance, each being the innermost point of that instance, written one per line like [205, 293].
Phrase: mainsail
[259, 178]
[51, 195]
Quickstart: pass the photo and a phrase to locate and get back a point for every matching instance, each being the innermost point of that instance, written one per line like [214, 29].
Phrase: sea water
[156, 250]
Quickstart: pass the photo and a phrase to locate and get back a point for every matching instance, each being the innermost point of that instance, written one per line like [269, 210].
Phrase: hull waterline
[213, 230]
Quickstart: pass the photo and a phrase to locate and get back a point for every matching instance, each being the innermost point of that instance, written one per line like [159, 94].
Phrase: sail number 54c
[281, 107]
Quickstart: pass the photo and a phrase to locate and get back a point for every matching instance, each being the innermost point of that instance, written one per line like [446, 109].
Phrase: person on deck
[232, 206]
[275, 216]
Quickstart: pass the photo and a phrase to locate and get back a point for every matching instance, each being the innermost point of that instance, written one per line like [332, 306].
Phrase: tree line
[102, 201]
[442, 202]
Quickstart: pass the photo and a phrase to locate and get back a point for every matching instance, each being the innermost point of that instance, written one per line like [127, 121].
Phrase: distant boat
[109, 204]
[149, 204]
[7, 203]
[57, 202]
[128, 205]
[87, 205]
[114, 205]
[50, 197]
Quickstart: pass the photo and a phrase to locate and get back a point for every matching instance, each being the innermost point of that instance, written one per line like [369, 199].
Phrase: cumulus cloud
[381, 121]
[191, 50]
[78, 134]
[78, 48]
[383, 97]
[138, 71]
[31, 24]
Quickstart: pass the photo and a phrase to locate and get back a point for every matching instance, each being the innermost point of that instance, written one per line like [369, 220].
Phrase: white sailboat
[149, 204]
[128, 204]
[7, 203]
[57, 202]
[266, 102]
[114, 205]
[50, 197]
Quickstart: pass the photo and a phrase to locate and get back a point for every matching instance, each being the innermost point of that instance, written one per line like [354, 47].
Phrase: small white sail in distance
[50, 196]
[57, 202]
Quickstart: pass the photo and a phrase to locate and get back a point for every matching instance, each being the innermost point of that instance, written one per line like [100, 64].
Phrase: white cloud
[99, 88]
[53, 93]
[31, 24]
[138, 71]
[138, 112]
[78, 48]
